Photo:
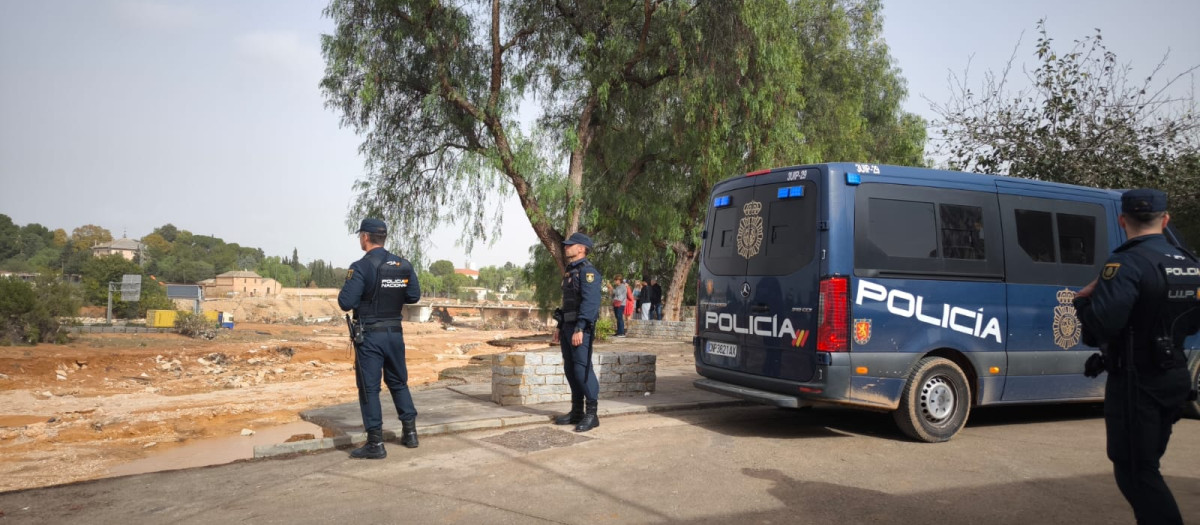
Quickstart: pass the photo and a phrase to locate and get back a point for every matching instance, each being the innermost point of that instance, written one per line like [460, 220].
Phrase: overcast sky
[131, 114]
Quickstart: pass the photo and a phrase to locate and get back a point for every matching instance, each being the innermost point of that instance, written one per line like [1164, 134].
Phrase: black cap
[1143, 200]
[372, 226]
[578, 238]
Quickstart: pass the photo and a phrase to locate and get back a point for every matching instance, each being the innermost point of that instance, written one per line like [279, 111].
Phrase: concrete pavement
[469, 407]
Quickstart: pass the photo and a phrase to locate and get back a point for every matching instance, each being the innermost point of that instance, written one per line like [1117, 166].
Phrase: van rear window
[763, 231]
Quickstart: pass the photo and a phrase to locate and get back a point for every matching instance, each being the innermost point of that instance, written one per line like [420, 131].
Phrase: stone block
[556, 380]
[511, 400]
[649, 359]
[628, 358]
[609, 378]
[552, 359]
[533, 359]
[506, 380]
[606, 359]
[502, 370]
[545, 370]
[534, 380]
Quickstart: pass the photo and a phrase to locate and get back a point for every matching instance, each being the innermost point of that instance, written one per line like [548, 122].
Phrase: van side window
[1035, 234]
[962, 232]
[926, 232]
[1076, 234]
[1062, 241]
[903, 228]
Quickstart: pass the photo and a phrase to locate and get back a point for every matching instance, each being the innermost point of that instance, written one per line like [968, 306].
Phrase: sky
[206, 114]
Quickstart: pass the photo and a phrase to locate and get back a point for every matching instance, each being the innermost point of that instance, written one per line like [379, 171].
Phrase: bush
[605, 328]
[29, 313]
[196, 326]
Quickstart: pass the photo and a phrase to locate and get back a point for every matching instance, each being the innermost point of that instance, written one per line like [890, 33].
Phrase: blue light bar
[853, 179]
[790, 192]
[721, 202]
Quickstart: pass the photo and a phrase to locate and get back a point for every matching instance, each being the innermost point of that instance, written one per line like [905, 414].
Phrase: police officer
[377, 288]
[580, 309]
[1128, 314]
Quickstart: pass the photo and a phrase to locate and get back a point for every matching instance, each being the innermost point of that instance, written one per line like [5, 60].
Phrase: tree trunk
[684, 257]
[583, 135]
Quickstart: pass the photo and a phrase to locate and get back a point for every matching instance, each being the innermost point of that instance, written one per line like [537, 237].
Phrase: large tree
[1081, 120]
[434, 88]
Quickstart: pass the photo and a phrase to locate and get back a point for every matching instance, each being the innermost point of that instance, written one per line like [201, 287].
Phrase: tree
[89, 235]
[10, 237]
[441, 268]
[1081, 121]
[99, 271]
[435, 96]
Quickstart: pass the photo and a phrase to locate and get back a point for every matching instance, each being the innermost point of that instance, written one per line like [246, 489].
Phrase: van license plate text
[721, 349]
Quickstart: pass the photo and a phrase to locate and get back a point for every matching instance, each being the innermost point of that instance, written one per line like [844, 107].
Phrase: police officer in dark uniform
[1130, 312]
[577, 327]
[377, 288]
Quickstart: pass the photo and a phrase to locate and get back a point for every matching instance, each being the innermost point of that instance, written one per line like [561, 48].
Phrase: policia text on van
[916, 291]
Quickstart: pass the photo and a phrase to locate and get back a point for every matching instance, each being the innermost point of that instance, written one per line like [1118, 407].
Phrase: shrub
[196, 326]
[29, 313]
[605, 328]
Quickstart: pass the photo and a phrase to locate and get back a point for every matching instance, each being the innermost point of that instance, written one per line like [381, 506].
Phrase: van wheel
[1192, 408]
[935, 402]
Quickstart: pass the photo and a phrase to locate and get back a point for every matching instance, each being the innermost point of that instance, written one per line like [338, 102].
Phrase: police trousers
[1137, 422]
[577, 366]
[382, 354]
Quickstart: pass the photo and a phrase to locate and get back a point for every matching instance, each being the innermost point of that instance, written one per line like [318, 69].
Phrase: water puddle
[214, 451]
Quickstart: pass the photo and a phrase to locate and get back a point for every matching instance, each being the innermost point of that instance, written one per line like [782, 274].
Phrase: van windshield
[763, 230]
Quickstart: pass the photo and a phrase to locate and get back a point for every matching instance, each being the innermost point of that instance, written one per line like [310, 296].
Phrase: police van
[915, 291]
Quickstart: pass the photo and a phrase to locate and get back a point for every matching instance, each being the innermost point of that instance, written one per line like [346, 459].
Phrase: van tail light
[833, 332]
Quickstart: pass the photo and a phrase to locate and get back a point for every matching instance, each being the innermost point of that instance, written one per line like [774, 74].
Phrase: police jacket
[1130, 305]
[378, 286]
[581, 295]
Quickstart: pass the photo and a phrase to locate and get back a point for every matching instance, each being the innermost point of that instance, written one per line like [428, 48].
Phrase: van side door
[1054, 246]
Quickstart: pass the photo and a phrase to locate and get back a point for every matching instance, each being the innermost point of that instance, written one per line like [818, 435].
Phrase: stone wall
[679, 330]
[526, 378]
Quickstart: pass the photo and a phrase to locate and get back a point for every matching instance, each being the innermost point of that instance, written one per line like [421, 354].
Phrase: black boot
[572, 417]
[408, 436]
[373, 449]
[590, 419]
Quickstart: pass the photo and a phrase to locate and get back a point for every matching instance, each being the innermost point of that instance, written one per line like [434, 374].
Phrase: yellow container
[212, 316]
[160, 318]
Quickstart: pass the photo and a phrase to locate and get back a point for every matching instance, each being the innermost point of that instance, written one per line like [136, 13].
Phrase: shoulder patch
[349, 274]
[590, 277]
[1110, 270]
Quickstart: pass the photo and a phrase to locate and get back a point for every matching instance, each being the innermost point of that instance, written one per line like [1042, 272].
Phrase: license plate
[721, 349]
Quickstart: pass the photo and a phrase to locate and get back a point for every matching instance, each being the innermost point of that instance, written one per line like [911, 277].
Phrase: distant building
[473, 274]
[125, 247]
[239, 283]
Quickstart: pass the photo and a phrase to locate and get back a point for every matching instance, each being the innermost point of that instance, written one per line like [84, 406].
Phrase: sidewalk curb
[310, 445]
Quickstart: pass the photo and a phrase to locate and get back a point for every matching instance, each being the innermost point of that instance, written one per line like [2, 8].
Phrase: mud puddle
[214, 451]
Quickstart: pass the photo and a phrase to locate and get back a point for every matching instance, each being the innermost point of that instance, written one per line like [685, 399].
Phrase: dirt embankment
[70, 412]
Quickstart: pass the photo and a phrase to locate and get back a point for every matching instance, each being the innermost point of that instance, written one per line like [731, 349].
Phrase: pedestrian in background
[656, 299]
[619, 290]
[377, 287]
[1138, 312]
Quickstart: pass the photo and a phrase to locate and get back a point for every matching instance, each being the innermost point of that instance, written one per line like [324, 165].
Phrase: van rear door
[759, 276]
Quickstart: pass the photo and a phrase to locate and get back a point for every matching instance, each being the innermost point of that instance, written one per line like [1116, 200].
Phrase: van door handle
[760, 308]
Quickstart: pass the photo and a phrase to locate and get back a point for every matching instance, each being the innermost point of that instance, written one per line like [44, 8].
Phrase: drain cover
[536, 439]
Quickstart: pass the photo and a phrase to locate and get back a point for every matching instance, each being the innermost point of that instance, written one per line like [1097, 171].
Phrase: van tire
[936, 401]
[1191, 408]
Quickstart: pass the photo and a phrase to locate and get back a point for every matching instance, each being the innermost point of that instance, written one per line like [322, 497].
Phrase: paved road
[728, 465]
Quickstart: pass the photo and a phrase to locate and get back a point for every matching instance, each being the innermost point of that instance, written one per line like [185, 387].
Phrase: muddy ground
[71, 412]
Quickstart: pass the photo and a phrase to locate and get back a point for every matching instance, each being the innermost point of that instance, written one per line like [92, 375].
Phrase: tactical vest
[385, 301]
[572, 290]
[1180, 317]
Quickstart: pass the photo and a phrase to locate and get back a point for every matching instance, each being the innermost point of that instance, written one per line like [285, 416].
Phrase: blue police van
[915, 291]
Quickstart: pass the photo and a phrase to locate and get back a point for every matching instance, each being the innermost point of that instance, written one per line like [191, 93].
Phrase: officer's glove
[1094, 365]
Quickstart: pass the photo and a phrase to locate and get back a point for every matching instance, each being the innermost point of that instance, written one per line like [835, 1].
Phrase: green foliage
[99, 271]
[29, 312]
[441, 268]
[605, 328]
[1082, 121]
[195, 326]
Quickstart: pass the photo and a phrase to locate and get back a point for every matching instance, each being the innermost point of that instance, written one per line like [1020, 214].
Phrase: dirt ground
[70, 412]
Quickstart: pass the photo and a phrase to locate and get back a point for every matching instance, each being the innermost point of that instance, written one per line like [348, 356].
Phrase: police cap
[372, 226]
[578, 238]
[1143, 200]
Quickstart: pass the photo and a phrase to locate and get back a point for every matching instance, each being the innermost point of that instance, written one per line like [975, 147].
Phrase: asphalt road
[731, 465]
